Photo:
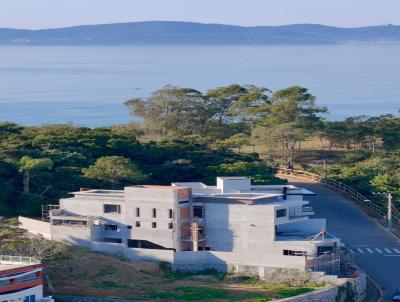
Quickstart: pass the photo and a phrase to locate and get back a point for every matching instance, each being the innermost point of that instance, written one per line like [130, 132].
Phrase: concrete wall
[107, 247]
[238, 227]
[72, 234]
[161, 199]
[134, 254]
[149, 255]
[224, 261]
[309, 226]
[344, 290]
[36, 227]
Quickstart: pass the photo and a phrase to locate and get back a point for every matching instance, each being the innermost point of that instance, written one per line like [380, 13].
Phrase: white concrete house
[193, 226]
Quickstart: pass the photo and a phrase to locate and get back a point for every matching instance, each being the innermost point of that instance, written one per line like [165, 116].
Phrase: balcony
[308, 210]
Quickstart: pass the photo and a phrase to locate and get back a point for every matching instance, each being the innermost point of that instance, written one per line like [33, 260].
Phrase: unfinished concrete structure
[232, 224]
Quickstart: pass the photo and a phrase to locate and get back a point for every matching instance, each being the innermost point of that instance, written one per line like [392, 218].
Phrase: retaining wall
[34, 226]
[345, 289]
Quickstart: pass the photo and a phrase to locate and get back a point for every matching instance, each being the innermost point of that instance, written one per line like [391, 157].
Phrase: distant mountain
[188, 33]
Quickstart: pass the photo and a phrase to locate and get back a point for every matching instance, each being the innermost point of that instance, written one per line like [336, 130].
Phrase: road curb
[377, 286]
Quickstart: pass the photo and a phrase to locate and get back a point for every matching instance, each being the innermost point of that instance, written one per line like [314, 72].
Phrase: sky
[36, 14]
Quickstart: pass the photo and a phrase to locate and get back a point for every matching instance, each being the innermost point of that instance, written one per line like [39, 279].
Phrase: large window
[111, 227]
[113, 240]
[281, 213]
[112, 209]
[137, 212]
[154, 212]
[294, 253]
[170, 214]
[198, 211]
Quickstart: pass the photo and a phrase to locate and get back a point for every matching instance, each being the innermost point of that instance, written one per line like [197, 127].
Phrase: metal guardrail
[18, 259]
[378, 208]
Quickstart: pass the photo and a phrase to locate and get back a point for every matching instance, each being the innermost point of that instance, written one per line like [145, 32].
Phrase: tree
[169, 110]
[29, 165]
[116, 170]
[292, 117]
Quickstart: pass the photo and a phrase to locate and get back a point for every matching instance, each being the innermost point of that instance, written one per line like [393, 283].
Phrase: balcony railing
[18, 259]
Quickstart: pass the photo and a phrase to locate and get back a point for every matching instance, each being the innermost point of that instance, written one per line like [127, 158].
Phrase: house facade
[191, 224]
[21, 280]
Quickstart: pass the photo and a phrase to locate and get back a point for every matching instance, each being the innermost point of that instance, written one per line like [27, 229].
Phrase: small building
[233, 224]
[21, 280]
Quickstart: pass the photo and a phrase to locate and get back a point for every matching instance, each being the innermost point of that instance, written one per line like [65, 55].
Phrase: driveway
[375, 250]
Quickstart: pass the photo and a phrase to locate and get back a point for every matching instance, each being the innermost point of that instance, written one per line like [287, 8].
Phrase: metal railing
[18, 259]
[378, 208]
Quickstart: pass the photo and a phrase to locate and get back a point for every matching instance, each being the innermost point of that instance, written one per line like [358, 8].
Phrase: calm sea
[88, 85]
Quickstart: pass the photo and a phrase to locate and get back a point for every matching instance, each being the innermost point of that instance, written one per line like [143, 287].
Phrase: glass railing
[19, 259]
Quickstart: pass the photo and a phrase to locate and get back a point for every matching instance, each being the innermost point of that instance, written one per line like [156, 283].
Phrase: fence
[378, 207]
[18, 259]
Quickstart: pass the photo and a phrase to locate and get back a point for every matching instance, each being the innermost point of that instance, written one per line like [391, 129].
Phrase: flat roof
[100, 192]
[159, 187]
[245, 198]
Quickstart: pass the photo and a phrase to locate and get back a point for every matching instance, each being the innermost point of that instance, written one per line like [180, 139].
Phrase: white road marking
[378, 250]
[397, 251]
[351, 251]
[361, 251]
[388, 251]
[370, 251]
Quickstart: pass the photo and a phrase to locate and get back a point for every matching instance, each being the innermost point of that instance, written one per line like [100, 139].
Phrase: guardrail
[377, 208]
[18, 259]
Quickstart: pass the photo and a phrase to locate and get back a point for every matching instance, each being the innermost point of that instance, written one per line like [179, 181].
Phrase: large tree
[29, 166]
[115, 170]
[292, 117]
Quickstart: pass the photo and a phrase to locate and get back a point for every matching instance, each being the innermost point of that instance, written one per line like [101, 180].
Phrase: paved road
[375, 250]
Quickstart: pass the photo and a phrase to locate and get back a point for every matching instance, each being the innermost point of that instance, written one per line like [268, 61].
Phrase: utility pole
[389, 213]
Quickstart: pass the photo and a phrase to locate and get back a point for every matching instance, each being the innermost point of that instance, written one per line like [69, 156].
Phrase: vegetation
[184, 134]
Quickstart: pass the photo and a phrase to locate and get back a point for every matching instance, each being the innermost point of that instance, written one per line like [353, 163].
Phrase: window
[170, 214]
[111, 227]
[280, 213]
[294, 253]
[154, 213]
[129, 227]
[112, 208]
[137, 212]
[154, 225]
[170, 225]
[113, 240]
[137, 224]
[198, 211]
[31, 298]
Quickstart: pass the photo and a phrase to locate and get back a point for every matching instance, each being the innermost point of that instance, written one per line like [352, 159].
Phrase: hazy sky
[59, 13]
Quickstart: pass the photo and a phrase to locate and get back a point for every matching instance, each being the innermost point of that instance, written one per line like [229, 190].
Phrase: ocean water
[87, 85]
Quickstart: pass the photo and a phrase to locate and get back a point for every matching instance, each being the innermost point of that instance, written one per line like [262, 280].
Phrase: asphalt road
[375, 250]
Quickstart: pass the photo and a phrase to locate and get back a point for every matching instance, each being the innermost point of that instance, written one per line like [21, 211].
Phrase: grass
[83, 273]
[189, 293]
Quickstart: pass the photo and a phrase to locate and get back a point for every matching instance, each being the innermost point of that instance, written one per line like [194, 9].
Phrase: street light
[389, 209]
